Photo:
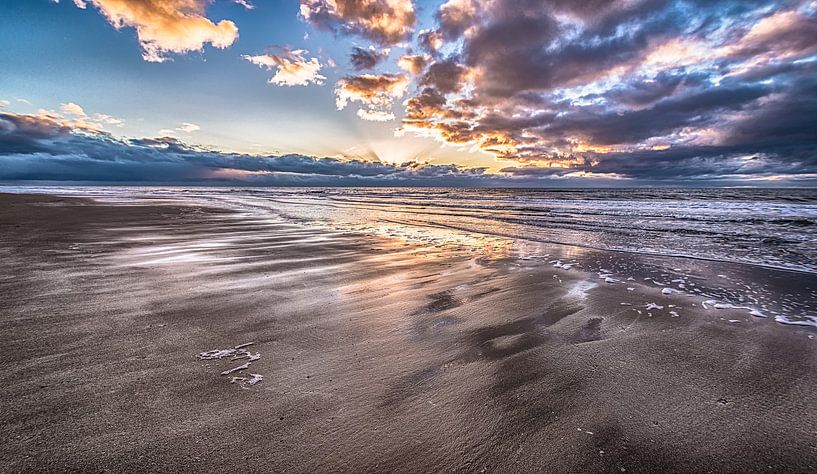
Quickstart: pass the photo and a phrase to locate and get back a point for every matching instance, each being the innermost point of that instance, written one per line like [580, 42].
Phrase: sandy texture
[375, 355]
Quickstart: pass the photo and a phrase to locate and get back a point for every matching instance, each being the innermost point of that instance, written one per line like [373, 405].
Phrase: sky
[402, 92]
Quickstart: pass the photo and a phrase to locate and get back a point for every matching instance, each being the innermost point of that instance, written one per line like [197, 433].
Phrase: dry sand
[376, 355]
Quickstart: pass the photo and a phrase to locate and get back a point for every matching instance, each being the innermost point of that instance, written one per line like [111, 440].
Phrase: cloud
[71, 108]
[363, 59]
[783, 34]
[636, 89]
[430, 41]
[245, 4]
[446, 76]
[188, 127]
[644, 89]
[427, 104]
[375, 92]
[39, 148]
[413, 63]
[292, 68]
[386, 22]
[74, 116]
[375, 115]
[167, 26]
[456, 16]
[185, 127]
[4, 104]
[79, 3]
[29, 133]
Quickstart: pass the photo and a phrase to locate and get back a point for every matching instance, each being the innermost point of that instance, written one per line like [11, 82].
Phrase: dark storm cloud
[38, 148]
[28, 134]
[670, 114]
[639, 93]
[710, 163]
[528, 54]
[778, 139]
[788, 120]
[650, 89]
[446, 76]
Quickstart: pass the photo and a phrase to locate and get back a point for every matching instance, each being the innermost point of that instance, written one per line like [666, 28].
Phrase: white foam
[247, 381]
[236, 353]
[718, 305]
[236, 369]
[727, 306]
[580, 289]
[801, 321]
[650, 306]
[216, 354]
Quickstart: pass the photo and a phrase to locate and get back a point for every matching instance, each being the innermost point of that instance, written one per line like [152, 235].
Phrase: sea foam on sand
[233, 354]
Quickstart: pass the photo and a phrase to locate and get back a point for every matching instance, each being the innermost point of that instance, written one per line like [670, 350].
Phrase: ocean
[748, 247]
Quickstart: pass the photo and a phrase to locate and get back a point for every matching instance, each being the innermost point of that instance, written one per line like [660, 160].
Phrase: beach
[378, 350]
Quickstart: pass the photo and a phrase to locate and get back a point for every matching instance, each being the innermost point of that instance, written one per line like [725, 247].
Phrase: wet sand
[376, 355]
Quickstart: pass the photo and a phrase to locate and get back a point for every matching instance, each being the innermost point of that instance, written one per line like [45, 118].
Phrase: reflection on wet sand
[380, 350]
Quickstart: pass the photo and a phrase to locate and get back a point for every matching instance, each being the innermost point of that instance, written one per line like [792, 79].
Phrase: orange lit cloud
[430, 40]
[413, 63]
[74, 116]
[292, 68]
[167, 26]
[456, 16]
[376, 92]
[785, 34]
[71, 108]
[556, 84]
[44, 147]
[386, 22]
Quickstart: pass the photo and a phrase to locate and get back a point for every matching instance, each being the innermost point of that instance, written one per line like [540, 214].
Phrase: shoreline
[376, 353]
[141, 191]
[757, 287]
